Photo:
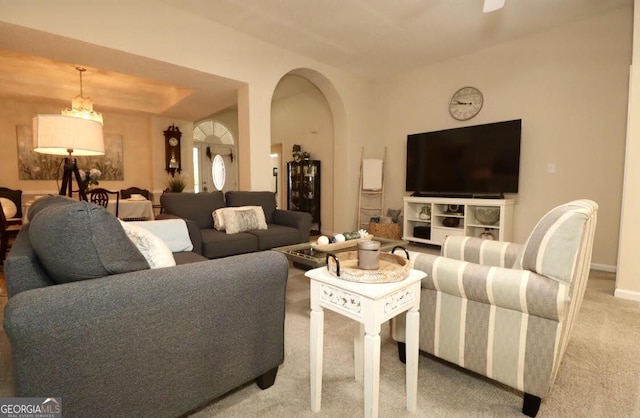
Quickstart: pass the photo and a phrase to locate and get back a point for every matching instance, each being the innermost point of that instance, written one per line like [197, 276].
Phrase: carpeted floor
[599, 376]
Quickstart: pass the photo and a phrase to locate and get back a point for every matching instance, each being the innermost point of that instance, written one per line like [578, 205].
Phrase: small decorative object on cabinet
[425, 213]
[451, 222]
[487, 215]
[457, 209]
[487, 234]
[303, 188]
[296, 153]
[172, 138]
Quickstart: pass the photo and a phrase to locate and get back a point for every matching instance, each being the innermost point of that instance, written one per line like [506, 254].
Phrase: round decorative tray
[392, 267]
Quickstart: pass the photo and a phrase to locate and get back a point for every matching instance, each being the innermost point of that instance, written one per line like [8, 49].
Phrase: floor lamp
[70, 136]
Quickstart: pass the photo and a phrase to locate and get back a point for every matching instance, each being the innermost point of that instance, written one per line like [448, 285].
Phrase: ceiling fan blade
[492, 5]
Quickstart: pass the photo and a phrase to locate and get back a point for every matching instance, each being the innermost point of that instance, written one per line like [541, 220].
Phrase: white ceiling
[372, 38]
[380, 37]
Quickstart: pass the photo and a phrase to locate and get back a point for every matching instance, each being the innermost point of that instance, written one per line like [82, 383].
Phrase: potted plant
[176, 182]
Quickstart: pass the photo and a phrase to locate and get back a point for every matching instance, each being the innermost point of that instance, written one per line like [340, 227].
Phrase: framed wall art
[36, 166]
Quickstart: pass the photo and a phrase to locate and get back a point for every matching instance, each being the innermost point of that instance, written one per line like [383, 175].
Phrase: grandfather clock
[172, 138]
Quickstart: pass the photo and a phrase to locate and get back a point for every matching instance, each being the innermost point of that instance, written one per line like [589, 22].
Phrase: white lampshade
[61, 135]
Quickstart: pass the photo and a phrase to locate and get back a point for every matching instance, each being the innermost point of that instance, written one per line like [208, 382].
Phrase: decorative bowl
[451, 222]
[487, 215]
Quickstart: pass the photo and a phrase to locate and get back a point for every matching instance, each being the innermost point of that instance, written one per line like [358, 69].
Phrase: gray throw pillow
[244, 218]
[265, 199]
[82, 241]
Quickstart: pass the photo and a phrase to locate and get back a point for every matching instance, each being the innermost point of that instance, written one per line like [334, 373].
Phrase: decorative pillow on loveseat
[244, 218]
[267, 200]
[218, 218]
[81, 241]
[173, 232]
[154, 250]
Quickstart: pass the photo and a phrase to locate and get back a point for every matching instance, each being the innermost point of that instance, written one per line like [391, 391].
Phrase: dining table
[132, 209]
[128, 209]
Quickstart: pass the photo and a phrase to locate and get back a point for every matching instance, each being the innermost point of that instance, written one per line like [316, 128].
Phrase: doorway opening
[302, 119]
[215, 164]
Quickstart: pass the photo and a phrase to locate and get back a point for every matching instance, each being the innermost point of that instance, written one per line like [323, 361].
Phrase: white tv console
[460, 210]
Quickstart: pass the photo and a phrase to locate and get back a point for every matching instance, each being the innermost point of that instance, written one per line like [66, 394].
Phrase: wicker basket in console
[385, 230]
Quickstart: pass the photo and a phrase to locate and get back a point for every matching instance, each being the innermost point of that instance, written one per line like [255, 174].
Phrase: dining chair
[158, 206]
[100, 197]
[126, 193]
[7, 233]
[14, 196]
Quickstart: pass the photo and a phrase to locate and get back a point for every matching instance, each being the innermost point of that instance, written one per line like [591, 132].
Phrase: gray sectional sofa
[90, 322]
[284, 227]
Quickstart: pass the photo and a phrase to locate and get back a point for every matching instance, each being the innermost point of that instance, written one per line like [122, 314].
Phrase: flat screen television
[481, 160]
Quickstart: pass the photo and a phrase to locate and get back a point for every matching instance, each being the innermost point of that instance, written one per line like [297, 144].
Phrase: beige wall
[569, 87]
[627, 278]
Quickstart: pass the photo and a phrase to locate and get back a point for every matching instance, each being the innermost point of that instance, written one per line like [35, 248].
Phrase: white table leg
[412, 335]
[358, 348]
[371, 373]
[316, 346]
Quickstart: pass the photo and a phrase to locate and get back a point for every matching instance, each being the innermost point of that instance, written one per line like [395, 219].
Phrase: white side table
[370, 305]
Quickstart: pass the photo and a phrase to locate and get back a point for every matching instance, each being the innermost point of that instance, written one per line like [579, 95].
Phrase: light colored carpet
[599, 376]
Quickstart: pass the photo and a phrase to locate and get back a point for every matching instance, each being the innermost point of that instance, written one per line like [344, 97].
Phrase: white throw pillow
[218, 218]
[172, 232]
[8, 207]
[244, 218]
[154, 250]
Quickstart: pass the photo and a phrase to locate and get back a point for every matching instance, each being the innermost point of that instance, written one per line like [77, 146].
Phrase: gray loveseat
[284, 227]
[89, 322]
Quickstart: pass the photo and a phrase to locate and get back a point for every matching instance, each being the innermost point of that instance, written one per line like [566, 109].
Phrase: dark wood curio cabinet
[303, 189]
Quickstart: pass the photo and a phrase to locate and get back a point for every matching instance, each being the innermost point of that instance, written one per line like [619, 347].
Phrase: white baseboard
[619, 293]
[603, 267]
[627, 294]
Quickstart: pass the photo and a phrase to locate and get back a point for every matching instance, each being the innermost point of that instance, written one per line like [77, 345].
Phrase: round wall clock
[466, 103]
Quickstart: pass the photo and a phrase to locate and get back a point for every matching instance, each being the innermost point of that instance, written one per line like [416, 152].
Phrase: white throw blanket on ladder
[371, 174]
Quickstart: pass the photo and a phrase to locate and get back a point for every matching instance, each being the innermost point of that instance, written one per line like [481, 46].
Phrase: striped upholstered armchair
[506, 310]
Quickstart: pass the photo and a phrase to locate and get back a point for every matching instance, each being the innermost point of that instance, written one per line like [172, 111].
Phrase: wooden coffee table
[306, 258]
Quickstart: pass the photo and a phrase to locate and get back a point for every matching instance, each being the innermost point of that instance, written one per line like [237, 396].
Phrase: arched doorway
[211, 139]
[301, 115]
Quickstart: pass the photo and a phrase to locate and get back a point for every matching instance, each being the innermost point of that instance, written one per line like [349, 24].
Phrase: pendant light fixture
[75, 132]
[82, 107]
